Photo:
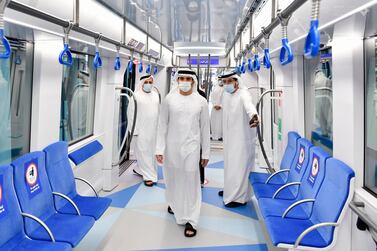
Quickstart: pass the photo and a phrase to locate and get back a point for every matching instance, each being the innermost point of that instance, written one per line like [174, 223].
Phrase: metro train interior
[68, 110]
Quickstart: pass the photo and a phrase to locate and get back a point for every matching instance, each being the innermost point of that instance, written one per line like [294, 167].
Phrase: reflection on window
[15, 101]
[370, 173]
[78, 96]
[318, 100]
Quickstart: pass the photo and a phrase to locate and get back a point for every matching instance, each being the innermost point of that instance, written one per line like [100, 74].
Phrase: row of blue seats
[40, 208]
[303, 203]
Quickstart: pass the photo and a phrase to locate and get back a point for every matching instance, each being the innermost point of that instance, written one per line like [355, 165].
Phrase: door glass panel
[15, 101]
[370, 173]
[318, 100]
[78, 99]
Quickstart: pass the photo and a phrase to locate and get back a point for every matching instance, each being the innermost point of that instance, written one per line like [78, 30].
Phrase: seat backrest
[332, 196]
[33, 187]
[300, 161]
[290, 150]
[59, 171]
[313, 177]
[11, 224]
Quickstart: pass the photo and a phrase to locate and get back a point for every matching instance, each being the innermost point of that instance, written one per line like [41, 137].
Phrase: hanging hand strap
[117, 63]
[65, 56]
[97, 62]
[7, 49]
[312, 42]
[286, 53]
[266, 57]
[256, 63]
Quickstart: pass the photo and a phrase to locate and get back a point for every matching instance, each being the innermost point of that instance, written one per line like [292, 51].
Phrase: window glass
[15, 101]
[318, 100]
[370, 174]
[78, 99]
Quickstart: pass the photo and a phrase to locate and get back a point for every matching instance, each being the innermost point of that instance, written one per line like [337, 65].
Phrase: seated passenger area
[40, 208]
[304, 210]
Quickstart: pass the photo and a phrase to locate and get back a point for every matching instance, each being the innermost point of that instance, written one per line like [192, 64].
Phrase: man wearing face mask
[145, 130]
[239, 121]
[183, 129]
[217, 112]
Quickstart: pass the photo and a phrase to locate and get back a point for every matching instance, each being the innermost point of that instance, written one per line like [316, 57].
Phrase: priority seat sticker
[314, 170]
[301, 159]
[32, 181]
[3, 211]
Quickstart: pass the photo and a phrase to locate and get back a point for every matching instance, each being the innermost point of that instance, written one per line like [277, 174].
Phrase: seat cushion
[88, 206]
[287, 230]
[27, 245]
[276, 207]
[268, 190]
[255, 178]
[65, 228]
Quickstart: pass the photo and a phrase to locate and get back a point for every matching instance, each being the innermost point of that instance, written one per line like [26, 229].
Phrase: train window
[78, 99]
[370, 172]
[318, 100]
[16, 76]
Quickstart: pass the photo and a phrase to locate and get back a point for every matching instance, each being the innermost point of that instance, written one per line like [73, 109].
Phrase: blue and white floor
[138, 219]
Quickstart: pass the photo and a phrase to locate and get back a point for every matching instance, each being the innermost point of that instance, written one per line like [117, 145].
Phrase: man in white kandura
[148, 103]
[217, 112]
[183, 129]
[239, 121]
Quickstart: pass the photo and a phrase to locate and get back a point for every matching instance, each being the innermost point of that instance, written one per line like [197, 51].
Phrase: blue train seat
[286, 162]
[36, 198]
[297, 170]
[328, 211]
[12, 235]
[58, 166]
[307, 192]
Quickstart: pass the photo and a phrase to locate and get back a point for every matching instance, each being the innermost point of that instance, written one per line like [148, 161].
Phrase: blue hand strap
[141, 67]
[97, 63]
[7, 48]
[117, 64]
[155, 70]
[312, 42]
[130, 66]
[286, 54]
[65, 56]
[148, 70]
[243, 69]
[256, 63]
[266, 58]
[250, 64]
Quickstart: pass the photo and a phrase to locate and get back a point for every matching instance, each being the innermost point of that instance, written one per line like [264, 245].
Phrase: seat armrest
[48, 230]
[312, 228]
[69, 200]
[284, 187]
[88, 183]
[276, 173]
[295, 205]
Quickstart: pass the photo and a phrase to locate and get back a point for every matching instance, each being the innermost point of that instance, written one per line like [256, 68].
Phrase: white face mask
[184, 86]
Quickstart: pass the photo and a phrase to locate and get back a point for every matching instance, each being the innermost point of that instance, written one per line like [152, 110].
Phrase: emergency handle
[65, 56]
[286, 54]
[117, 64]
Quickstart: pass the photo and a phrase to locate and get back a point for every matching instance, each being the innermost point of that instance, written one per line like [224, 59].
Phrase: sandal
[148, 183]
[136, 172]
[170, 211]
[190, 231]
[221, 193]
